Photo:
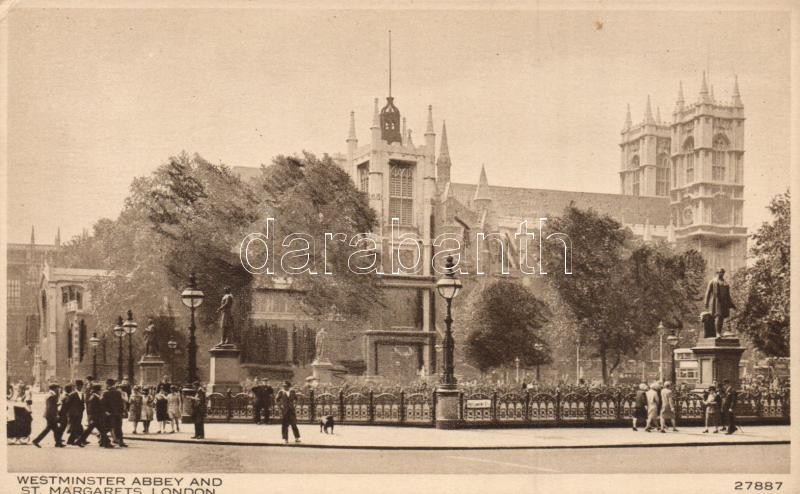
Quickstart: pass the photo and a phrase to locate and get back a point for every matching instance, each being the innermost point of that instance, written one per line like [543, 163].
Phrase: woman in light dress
[712, 403]
[174, 408]
[148, 405]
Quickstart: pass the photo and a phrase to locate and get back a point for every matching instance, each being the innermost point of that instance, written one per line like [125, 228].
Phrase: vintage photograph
[442, 239]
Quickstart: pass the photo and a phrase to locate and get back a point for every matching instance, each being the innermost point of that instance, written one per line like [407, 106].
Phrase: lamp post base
[448, 409]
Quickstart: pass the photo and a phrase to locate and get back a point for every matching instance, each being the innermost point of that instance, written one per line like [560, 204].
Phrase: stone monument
[718, 352]
[321, 366]
[224, 368]
[151, 366]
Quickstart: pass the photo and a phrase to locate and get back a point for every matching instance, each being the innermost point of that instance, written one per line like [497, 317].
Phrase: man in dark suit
[51, 417]
[729, 406]
[262, 394]
[199, 413]
[114, 407]
[75, 406]
[97, 419]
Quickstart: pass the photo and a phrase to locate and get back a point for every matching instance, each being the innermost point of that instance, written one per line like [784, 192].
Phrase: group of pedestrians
[105, 409]
[655, 406]
[285, 401]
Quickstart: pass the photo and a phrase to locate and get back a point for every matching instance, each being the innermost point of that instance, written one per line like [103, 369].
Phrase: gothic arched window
[688, 150]
[662, 175]
[635, 161]
[401, 193]
[718, 158]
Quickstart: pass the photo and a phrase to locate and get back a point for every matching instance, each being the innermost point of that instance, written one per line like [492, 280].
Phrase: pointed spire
[444, 151]
[648, 112]
[429, 128]
[628, 121]
[482, 191]
[409, 142]
[737, 98]
[658, 114]
[351, 136]
[58, 237]
[712, 93]
[704, 90]
[33, 236]
[404, 132]
[679, 102]
[376, 123]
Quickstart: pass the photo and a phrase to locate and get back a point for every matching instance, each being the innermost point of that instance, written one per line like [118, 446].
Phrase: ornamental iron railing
[482, 408]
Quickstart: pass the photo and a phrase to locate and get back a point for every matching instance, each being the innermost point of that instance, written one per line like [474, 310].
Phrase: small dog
[326, 423]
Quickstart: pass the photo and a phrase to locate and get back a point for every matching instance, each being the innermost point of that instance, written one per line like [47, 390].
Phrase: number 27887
[757, 486]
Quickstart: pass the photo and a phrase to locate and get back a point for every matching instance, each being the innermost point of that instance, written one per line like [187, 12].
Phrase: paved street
[159, 457]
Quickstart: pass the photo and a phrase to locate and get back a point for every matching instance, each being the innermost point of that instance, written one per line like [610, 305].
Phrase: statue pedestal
[224, 369]
[322, 371]
[718, 359]
[151, 368]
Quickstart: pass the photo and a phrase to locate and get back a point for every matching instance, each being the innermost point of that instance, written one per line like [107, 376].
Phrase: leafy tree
[619, 288]
[505, 324]
[764, 302]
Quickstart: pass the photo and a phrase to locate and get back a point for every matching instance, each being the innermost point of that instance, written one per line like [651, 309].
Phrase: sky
[100, 96]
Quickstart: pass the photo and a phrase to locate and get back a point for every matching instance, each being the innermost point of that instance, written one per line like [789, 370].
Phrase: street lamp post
[192, 297]
[172, 344]
[94, 342]
[448, 287]
[130, 327]
[516, 363]
[538, 347]
[673, 342]
[119, 332]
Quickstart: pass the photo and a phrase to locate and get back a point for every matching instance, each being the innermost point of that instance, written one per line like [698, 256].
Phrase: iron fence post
[618, 406]
[402, 409]
[229, 405]
[312, 404]
[494, 406]
[588, 398]
[460, 405]
[341, 406]
[371, 410]
[433, 407]
[558, 407]
[527, 406]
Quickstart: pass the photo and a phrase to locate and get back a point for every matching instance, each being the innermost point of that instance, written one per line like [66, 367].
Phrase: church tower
[707, 188]
[644, 165]
[399, 178]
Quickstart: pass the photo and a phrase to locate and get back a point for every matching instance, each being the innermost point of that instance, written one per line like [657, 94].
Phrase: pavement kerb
[450, 448]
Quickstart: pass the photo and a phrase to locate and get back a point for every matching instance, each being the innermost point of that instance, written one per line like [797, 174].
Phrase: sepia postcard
[398, 246]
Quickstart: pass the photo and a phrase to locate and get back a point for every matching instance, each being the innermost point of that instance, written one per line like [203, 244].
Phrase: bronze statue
[718, 300]
[150, 344]
[226, 320]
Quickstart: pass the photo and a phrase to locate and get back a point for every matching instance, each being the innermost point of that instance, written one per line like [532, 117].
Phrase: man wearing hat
[51, 417]
[97, 419]
[718, 300]
[199, 412]
[114, 407]
[285, 401]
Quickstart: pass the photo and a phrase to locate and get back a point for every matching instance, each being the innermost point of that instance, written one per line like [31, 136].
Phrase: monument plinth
[322, 370]
[718, 359]
[151, 369]
[224, 369]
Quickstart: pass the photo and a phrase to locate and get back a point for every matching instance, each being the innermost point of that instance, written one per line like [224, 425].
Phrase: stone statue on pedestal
[226, 319]
[718, 301]
[319, 344]
[150, 344]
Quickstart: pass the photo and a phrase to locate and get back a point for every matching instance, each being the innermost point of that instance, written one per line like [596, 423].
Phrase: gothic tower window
[636, 183]
[14, 288]
[401, 196]
[635, 162]
[688, 150]
[718, 158]
[363, 177]
[662, 176]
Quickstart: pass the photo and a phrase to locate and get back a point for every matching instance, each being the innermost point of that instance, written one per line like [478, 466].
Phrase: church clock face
[687, 216]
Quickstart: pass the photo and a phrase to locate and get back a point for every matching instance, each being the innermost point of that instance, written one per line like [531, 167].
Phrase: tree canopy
[764, 303]
[620, 288]
[505, 323]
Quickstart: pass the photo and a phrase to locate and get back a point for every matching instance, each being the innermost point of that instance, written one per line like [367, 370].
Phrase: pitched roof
[542, 203]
